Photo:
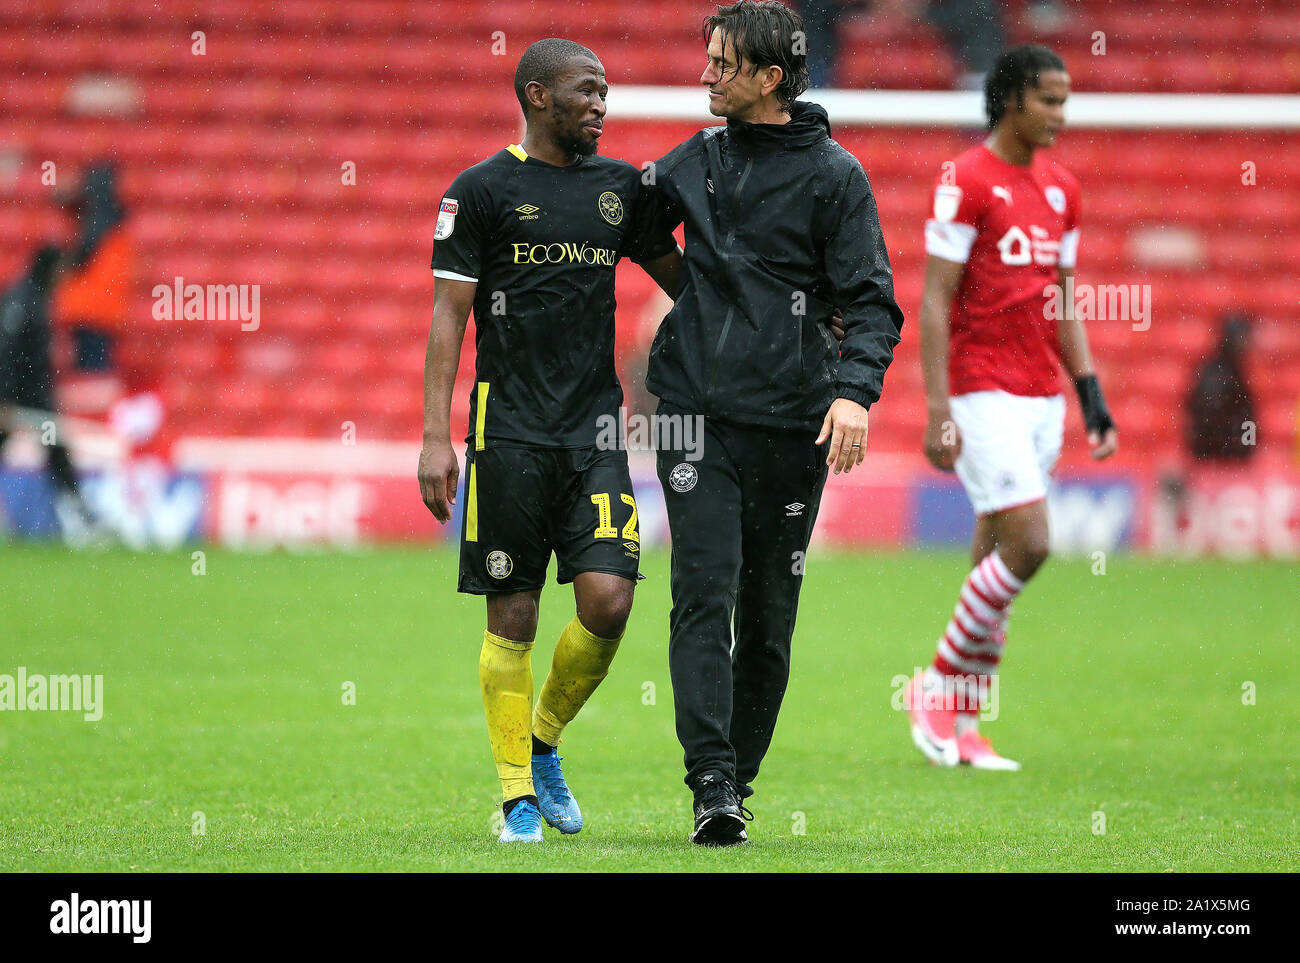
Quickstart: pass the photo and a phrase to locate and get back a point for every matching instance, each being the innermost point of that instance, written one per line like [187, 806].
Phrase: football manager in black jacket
[781, 230]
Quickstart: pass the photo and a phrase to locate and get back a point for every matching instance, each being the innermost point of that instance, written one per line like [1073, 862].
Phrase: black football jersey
[541, 242]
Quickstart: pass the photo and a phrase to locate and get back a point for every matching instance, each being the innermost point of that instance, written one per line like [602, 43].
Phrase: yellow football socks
[581, 661]
[505, 673]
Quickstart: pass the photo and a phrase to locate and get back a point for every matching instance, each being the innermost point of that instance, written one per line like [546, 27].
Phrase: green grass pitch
[1122, 694]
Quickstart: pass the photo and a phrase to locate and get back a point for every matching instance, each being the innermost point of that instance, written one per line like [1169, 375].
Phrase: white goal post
[945, 108]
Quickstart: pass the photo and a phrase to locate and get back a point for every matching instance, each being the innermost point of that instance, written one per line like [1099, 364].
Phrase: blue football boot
[559, 808]
[523, 825]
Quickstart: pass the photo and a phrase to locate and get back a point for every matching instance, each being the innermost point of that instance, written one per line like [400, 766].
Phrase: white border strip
[942, 108]
[319, 456]
[313, 456]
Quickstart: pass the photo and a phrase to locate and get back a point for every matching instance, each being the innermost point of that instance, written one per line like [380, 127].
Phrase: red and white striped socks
[972, 644]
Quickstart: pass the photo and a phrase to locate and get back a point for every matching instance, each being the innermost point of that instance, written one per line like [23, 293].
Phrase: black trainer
[719, 817]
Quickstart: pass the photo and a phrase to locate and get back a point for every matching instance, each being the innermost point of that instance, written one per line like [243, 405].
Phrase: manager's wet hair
[767, 34]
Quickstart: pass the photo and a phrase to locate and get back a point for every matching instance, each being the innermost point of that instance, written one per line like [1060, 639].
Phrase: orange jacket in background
[98, 293]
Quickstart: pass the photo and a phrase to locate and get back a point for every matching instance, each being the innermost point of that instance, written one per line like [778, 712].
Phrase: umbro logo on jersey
[794, 508]
[528, 212]
[1003, 193]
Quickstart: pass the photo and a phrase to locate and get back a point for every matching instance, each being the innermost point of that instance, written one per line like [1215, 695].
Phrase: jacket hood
[809, 125]
[99, 208]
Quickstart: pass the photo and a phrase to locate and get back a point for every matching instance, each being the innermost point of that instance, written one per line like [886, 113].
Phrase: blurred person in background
[91, 301]
[27, 386]
[971, 29]
[819, 18]
[1221, 423]
[1047, 16]
[974, 33]
[140, 497]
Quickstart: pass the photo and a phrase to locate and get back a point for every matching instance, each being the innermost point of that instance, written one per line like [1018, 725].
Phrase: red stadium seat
[233, 173]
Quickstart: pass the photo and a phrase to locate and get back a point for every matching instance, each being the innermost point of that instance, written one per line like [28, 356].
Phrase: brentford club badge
[499, 565]
[611, 208]
[1056, 197]
[683, 477]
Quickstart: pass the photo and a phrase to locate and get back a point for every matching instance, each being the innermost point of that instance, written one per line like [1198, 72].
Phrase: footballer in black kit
[528, 239]
[542, 242]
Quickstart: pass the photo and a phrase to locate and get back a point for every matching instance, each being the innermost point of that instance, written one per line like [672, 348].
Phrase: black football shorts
[522, 504]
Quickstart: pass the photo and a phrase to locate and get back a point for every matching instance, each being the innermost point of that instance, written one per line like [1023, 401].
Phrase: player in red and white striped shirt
[1005, 229]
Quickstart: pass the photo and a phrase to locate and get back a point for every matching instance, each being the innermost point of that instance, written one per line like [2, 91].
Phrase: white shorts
[1009, 445]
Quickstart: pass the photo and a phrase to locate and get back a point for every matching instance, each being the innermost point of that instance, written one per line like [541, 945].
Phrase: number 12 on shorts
[605, 527]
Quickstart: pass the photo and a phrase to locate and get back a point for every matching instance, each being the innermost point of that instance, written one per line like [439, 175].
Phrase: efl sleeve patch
[446, 219]
[947, 199]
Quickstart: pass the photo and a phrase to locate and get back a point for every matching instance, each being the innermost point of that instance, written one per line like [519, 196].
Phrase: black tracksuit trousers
[740, 517]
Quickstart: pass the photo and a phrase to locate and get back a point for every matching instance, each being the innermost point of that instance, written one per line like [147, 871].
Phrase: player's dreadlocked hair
[543, 62]
[1015, 70]
[767, 34]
